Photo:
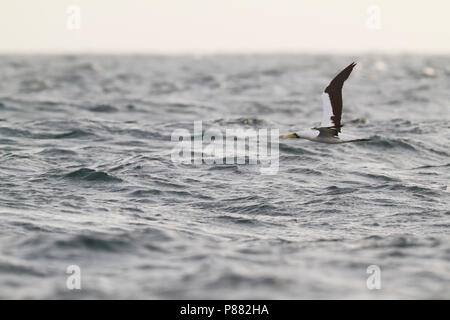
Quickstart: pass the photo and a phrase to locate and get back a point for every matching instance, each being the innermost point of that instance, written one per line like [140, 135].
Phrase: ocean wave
[106, 243]
[86, 174]
[295, 149]
[399, 241]
[391, 143]
[143, 193]
[251, 122]
[106, 108]
[87, 178]
[57, 152]
[73, 134]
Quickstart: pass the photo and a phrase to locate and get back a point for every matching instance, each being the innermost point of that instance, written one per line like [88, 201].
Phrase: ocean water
[87, 179]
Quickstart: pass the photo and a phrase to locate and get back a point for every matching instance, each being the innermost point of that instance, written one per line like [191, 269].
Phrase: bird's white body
[316, 136]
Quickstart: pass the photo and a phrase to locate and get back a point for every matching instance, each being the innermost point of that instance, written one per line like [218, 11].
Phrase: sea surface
[87, 179]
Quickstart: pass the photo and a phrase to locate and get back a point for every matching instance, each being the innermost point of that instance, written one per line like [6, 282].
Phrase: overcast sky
[213, 26]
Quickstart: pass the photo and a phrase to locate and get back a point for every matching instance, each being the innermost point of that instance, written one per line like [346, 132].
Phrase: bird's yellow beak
[292, 135]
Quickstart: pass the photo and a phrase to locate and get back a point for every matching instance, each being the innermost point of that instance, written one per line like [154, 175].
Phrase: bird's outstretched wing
[332, 100]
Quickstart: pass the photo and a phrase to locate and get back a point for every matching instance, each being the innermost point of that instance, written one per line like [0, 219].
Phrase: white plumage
[327, 111]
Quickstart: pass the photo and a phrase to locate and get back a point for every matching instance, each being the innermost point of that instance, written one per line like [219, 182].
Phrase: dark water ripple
[87, 179]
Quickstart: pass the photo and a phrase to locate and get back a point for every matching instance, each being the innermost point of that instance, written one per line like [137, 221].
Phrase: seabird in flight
[330, 128]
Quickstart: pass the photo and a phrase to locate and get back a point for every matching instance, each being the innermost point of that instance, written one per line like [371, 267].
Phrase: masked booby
[330, 127]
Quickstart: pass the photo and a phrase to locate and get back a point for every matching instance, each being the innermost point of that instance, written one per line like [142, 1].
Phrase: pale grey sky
[213, 26]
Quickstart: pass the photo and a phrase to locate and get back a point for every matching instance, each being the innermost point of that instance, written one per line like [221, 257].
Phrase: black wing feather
[334, 91]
